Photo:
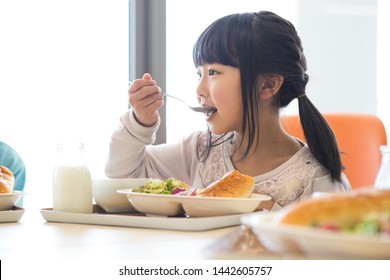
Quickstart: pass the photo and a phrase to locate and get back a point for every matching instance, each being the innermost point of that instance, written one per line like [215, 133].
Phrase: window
[63, 77]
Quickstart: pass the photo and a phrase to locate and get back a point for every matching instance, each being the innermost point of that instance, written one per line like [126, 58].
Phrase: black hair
[261, 44]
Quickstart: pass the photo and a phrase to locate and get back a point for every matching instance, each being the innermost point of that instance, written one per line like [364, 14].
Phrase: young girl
[249, 65]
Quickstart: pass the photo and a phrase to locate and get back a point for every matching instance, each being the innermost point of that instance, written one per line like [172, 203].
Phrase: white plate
[193, 206]
[12, 215]
[314, 243]
[139, 220]
[8, 200]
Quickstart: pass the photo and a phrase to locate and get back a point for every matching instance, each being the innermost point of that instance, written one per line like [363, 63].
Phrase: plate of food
[8, 196]
[232, 194]
[8, 200]
[352, 225]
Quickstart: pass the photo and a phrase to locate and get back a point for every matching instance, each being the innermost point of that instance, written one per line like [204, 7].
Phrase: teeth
[211, 111]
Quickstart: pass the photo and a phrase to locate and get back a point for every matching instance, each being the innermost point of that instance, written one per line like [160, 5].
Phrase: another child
[249, 65]
[13, 161]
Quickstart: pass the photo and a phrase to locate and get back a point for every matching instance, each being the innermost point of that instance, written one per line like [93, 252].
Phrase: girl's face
[220, 88]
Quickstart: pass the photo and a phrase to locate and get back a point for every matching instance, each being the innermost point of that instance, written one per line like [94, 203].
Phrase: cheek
[229, 104]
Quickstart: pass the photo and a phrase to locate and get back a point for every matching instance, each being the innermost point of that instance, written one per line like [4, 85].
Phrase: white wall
[340, 41]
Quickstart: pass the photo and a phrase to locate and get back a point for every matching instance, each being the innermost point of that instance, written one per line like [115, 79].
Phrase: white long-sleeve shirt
[132, 156]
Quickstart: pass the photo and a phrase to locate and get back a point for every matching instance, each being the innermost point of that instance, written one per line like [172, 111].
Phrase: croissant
[232, 184]
[7, 180]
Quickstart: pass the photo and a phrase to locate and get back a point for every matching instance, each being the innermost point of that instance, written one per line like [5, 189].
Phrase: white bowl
[105, 193]
[8, 200]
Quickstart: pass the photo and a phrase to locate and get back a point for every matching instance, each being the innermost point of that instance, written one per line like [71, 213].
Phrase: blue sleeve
[11, 159]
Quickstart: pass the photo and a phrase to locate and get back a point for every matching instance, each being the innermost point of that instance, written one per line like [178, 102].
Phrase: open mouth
[210, 111]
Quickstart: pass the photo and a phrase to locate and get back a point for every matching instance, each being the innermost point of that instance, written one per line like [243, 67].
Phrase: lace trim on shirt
[288, 185]
[215, 165]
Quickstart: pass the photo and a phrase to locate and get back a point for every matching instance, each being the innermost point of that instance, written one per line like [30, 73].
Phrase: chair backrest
[358, 136]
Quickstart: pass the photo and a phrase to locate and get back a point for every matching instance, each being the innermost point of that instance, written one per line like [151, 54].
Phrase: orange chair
[358, 137]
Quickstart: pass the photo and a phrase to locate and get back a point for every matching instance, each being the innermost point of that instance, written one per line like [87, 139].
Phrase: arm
[136, 130]
[127, 148]
[132, 155]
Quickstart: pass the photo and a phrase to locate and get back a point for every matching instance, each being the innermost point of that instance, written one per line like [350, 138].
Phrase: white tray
[100, 217]
[12, 215]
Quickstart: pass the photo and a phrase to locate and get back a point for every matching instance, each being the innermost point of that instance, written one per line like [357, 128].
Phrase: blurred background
[65, 67]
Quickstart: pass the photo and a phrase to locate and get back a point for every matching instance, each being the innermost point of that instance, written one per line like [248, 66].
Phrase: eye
[212, 72]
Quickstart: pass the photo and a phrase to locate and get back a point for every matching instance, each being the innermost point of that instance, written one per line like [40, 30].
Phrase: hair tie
[301, 95]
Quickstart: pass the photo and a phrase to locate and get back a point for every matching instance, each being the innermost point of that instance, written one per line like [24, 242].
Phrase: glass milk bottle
[382, 180]
[72, 183]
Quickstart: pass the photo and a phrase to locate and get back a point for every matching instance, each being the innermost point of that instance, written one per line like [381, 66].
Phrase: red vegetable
[329, 226]
[177, 190]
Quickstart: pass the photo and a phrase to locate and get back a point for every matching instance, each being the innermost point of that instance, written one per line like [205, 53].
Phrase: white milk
[72, 189]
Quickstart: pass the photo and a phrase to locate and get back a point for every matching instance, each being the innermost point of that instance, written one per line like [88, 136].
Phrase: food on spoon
[7, 180]
[366, 212]
[232, 184]
[167, 186]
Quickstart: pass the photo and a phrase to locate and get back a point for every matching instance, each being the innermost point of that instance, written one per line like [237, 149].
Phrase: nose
[200, 95]
[201, 100]
[201, 92]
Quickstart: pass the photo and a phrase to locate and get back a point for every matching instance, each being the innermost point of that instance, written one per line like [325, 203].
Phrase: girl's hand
[145, 99]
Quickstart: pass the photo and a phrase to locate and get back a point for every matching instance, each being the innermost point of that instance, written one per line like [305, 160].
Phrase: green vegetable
[166, 186]
[368, 227]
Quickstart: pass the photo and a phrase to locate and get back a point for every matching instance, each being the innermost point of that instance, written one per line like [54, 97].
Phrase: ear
[270, 85]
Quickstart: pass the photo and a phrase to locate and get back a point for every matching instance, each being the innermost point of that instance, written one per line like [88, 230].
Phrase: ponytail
[320, 138]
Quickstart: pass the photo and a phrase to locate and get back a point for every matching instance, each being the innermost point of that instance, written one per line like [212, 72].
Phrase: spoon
[195, 109]
[205, 110]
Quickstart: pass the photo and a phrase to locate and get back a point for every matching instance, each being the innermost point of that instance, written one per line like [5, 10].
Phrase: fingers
[139, 83]
[144, 90]
[145, 99]
[147, 76]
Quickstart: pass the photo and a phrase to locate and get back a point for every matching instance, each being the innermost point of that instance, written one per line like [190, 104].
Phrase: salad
[167, 186]
[371, 224]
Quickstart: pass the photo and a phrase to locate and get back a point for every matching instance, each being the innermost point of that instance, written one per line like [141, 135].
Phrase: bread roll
[232, 184]
[337, 209]
[7, 180]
